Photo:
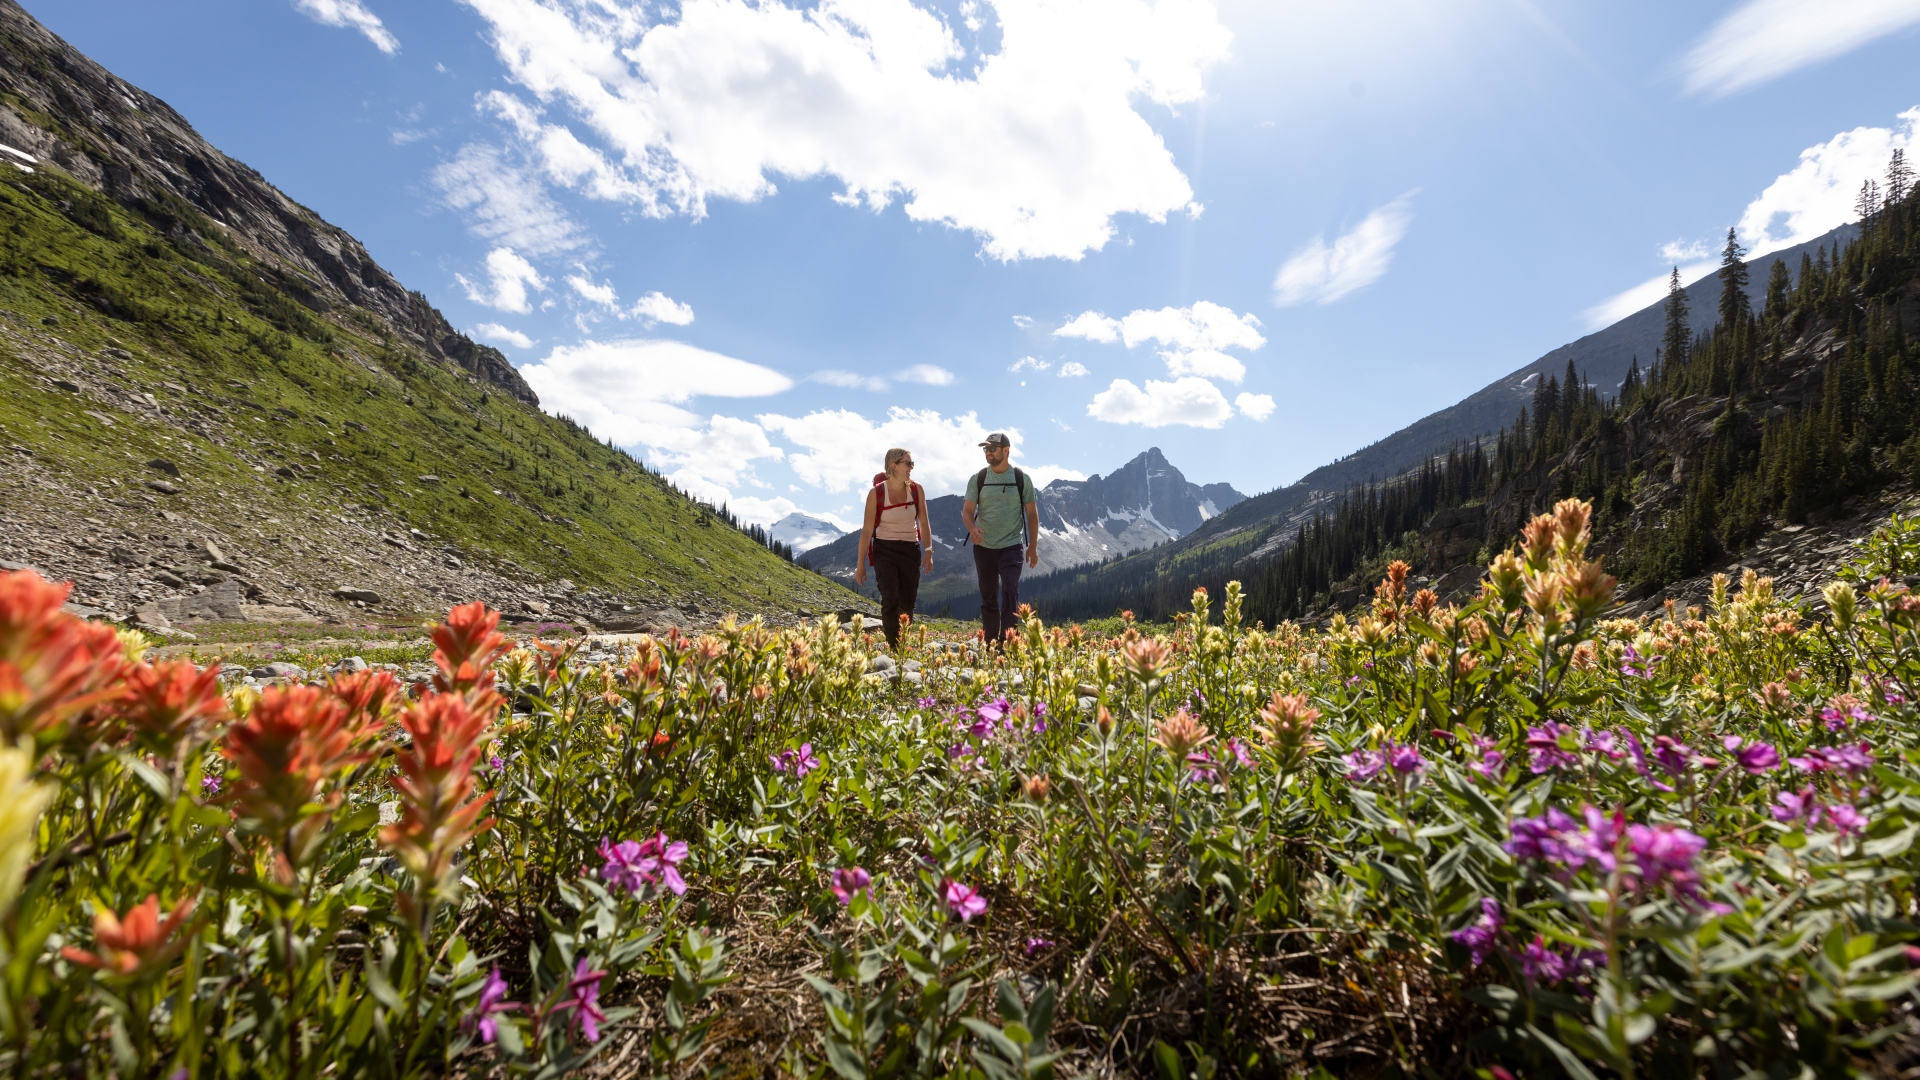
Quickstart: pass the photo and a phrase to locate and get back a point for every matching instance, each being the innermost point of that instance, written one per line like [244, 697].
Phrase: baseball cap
[997, 439]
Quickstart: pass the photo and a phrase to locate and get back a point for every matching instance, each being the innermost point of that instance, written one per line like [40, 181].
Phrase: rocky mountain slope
[1144, 503]
[218, 406]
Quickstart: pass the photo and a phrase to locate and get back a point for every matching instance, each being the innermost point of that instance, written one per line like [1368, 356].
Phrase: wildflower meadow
[1514, 837]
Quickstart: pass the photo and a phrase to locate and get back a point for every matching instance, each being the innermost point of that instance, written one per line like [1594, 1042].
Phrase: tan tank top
[898, 521]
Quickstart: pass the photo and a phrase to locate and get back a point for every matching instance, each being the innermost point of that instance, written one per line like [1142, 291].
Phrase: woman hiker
[896, 539]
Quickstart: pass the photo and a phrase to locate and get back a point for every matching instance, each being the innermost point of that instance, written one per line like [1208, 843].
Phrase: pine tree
[1734, 305]
[1779, 283]
[1867, 204]
[1899, 178]
[1673, 344]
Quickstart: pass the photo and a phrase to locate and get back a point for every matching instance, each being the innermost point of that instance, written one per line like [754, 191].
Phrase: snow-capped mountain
[803, 533]
[1144, 502]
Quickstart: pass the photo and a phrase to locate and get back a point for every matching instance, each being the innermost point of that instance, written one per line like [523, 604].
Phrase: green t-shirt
[1001, 508]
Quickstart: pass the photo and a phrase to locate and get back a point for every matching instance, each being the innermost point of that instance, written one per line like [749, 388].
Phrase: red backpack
[916, 498]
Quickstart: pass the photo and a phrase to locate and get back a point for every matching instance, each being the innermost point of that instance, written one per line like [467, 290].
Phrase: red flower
[466, 647]
[53, 666]
[437, 809]
[367, 695]
[165, 703]
[295, 740]
[140, 944]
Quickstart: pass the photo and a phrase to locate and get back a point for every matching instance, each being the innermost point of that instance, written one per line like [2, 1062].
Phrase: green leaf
[1166, 1060]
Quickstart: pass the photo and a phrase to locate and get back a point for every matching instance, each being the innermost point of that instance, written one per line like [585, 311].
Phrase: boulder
[163, 487]
[279, 670]
[364, 596]
[165, 466]
[221, 602]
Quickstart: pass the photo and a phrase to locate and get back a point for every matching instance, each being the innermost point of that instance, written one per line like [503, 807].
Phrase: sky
[758, 242]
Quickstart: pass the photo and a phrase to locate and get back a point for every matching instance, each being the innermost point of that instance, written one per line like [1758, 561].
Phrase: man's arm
[1033, 534]
[967, 510]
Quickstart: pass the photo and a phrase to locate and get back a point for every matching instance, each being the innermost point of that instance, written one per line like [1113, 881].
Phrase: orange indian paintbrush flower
[167, 702]
[466, 646]
[53, 666]
[139, 944]
[437, 809]
[289, 747]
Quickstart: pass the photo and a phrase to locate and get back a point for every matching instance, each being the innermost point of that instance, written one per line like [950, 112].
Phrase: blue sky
[760, 242]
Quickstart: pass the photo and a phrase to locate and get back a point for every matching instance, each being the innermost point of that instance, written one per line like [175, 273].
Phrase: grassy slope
[269, 383]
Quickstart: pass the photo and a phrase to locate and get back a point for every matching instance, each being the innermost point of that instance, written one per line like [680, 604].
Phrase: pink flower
[1540, 964]
[1037, 945]
[1633, 666]
[640, 867]
[1491, 758]
[584, 1000]
[1852, 760]
[963, 901]
[1200, 768]
[493, 994]
[798, 762]
[1755, 758]
[1846, 820]
[1604, 743]
[1791, 807]
[1240, 753]
[1405, 760]
[849, 882]
[1543, 743]
[1481, 936]
[1364, 765]
[1665, 854]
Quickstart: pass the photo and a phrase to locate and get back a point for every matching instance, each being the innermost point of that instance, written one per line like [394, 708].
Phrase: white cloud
[1035, 148]
[508, 278]
[1194, 335]
[601, 294]
[841, 450]
[1684, 251]
[350, 15]
[1029, 363]
[1323, 273]
[495, 332]
[659, 307]
[1765, 39]
[632, 391]
[1254, 406]
[1073, 369]
[1023, 321]
[1651, 291]
[928, 375]
[1092, 325]
[1190, 401]
[849, 380]
[1047, 474]
[501, 202]
[1819, 193]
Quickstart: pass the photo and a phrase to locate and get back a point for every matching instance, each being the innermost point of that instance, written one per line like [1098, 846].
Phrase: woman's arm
[867, 522]
[926, 531]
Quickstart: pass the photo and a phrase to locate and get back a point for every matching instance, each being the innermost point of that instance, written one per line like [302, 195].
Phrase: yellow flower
[21, 800]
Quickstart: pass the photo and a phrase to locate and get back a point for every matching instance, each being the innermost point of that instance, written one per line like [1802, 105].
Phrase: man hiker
[1000, 506]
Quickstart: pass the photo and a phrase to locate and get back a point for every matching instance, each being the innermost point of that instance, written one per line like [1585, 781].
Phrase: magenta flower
[1837, 720]
[495, 763]
[1405, 760]
[641, 867]
[1665, 854]
[1543, 743]
[849, 882]
[1801, 806]
[926, 702]
[209, 786]
[1363, 765]
[1755, 758]
[1605, 743]
[1491, 758]
[1037, 945]
[1540, 964]
[493, 999]
[1639, 752]
[994, 711]
[1240, 754]
[1846, 820]
[798, 762]
[1634, 666]
[1200, 768]
[1481, 937]
[964, 901]
[1851, 760]
[1353, 681]
[1671, 755]
[584, 1000]
[1557, 838]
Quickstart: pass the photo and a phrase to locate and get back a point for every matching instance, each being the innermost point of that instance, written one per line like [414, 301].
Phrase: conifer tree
[1867, 203]
[1734, 305]
[1673, 344]
[1779, 283]
[1899, 178]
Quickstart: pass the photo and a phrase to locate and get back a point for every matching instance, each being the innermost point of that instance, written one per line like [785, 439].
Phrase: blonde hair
[893, 457]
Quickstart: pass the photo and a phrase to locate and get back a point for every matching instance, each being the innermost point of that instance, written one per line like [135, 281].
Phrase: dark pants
[999, 571]
[896, 573]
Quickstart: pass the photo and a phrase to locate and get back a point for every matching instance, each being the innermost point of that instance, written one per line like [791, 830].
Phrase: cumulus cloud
[1254, 406]
[350, 15]
[1093, 326]
[1035, 148]
[927, 375]
[1029, 363]
[601, 293]
[501, 202]
[658, 307]
[1194, 336]
[1818, 194]
[505, 287]
[491, 331]
[841, 449]
[632, 392]
[1191, 401]
[1765, 39]
[1322, 273]
[1684, 251]
[1073, 369]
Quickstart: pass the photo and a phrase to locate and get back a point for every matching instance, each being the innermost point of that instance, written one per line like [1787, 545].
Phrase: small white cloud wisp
[506, 335]
[1323, 273]
[508, 278]
[1762, 40]
[350, 15]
